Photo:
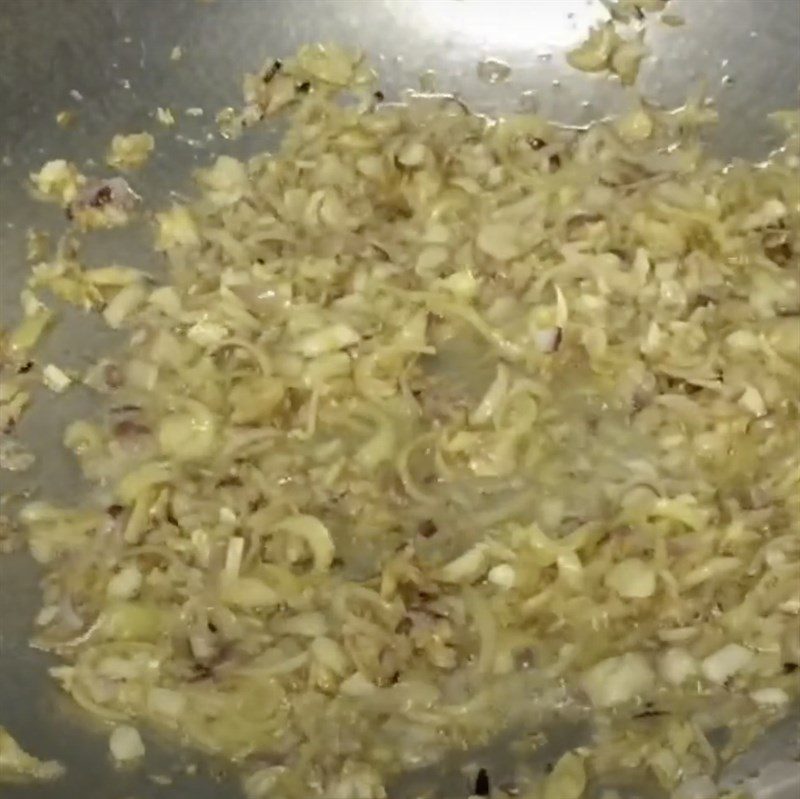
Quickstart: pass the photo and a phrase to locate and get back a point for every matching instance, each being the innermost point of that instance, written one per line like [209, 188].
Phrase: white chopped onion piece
[715, 567]
[771, 212]
[125, 584]
[637, 125]
[248, 592]
[562, 310]
[412, 154]
[677, 665]
[548, 339]
[618, 679]
[700, 787]
[315, 534]
[498, 241]
[771, 697]
[726, 662]
[55, 379]
[752, 401]
[123, 304]
[207, 334]
[166, 702]
[567, 779]
[632, 578]
[233, 557]
[189, 435]
[503, 576]
[467, 567]
[791, 606]
[310, 625]
[493, 399]
[357, 685]
[126, 744]
[330, 654]
[461, 284]
[329, 339]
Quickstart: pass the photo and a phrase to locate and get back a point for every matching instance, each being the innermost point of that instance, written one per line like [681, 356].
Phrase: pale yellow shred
[16, 765]
[130, 151]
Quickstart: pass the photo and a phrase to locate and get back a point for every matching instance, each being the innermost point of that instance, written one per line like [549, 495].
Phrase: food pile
[435, 424]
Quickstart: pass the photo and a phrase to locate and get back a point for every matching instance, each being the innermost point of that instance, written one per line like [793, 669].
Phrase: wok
[109, 62]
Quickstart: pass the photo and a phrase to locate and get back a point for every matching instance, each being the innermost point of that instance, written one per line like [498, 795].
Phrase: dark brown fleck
[304, 87]
[127, 428]
[200, 672]
[112, 374]
[583, 219]
[272, 71]
[703, 301]
[639, 401]
[125, 409]
[404, 626]
[482, 787]
[101, 197]
[780, 253]
[427, 528]
[677, 383]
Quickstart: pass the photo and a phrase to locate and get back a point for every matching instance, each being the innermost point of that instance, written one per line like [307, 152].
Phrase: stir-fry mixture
[434, 424]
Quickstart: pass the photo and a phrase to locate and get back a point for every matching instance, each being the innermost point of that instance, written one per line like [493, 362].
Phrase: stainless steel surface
[115, 55]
